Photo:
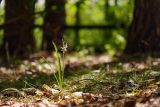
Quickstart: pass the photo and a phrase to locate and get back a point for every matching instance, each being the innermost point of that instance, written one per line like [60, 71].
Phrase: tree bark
[18, 32]
[54, 21]
[144, 33]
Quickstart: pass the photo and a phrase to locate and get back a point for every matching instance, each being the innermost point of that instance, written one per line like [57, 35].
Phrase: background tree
[53, 22]
[144, 33]
[18, 31]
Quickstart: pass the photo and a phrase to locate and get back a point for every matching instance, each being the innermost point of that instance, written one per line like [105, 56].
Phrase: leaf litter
[90, 81]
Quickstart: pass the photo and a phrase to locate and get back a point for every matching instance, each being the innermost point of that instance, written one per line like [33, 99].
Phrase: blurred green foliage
[1, 22]
[92, 12]
[39, 8]
[100, 12]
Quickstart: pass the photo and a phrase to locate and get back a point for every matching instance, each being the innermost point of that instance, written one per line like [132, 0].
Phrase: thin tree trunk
[53, 23]
[144, 33]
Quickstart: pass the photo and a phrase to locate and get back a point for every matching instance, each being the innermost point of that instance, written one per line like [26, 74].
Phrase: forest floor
[89, 81]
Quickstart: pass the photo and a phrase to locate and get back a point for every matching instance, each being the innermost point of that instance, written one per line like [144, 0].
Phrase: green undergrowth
[108, 83]
[97, 81]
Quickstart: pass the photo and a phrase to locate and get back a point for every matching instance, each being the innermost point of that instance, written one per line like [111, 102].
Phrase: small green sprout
[61, 64]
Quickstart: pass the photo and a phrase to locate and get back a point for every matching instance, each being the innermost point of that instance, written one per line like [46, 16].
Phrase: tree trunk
[53, 23]
[144, 33]
[18, 33]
